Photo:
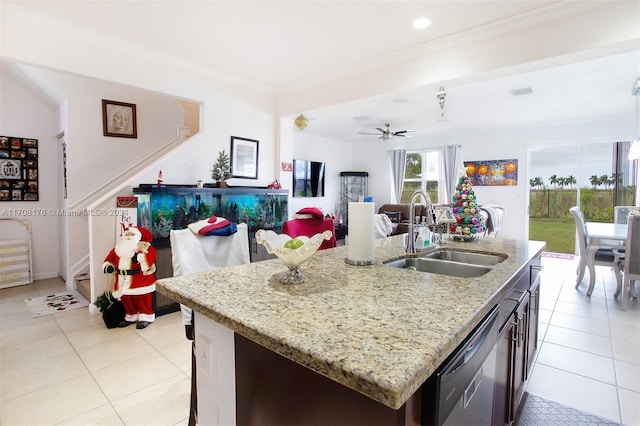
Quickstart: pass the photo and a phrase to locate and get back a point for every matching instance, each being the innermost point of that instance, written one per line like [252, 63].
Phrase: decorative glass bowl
[292, 258]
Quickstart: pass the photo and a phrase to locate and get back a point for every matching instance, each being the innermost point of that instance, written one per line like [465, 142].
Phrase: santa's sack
[112, 309]
[113, 314]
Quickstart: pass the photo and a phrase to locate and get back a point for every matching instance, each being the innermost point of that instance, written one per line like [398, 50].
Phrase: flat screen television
[308, 178]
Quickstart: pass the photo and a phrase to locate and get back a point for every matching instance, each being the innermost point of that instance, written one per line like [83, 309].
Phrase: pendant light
[301, 122]
[441, 95]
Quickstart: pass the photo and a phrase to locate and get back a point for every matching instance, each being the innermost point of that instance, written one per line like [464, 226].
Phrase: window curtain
[451, 169]
[398, 168]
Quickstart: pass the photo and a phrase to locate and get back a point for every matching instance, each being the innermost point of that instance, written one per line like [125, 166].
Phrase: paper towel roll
[361, 238]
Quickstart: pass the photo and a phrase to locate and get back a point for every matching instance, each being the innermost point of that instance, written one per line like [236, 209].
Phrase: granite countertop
[379, 330]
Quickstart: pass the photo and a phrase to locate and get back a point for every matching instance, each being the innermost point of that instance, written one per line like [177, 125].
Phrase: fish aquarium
[161, 209]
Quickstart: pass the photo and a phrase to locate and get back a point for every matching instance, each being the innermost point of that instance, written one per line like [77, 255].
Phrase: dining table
[601, 235]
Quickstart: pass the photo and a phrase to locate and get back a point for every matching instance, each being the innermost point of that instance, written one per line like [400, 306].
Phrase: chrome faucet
[412, 234]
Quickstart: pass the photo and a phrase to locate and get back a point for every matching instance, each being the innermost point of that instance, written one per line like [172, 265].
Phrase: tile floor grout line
[615, 375]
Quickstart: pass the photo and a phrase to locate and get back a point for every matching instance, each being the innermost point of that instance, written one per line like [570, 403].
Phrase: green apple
[293, 244]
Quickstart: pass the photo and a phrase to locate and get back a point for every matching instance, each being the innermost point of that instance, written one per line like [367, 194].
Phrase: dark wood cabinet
[534, 316]
[511, 364]
[517, 343]
[162, 304]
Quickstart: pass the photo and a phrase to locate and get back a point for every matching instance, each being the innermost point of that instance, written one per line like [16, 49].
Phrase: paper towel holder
[359, 262]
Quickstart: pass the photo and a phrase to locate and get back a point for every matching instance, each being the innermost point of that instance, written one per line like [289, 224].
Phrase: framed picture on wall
[244, 158]
[119, 119]
[18, 169]
[493, 172]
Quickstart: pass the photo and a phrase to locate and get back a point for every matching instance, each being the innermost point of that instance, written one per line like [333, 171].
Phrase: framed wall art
[492, 172]
[18, 169]
[244, 158]
[119, 119]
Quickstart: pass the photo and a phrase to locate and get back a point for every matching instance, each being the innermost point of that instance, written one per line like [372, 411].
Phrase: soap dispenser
[426, 235]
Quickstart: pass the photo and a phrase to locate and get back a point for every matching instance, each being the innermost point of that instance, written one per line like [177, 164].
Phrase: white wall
[23, 115]
[337, 158]
[221, 117]
[93, 158]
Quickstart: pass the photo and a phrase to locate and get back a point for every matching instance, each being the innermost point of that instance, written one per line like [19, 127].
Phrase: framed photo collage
[18, 169]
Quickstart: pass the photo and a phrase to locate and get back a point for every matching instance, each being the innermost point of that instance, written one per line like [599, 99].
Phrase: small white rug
[55, 303]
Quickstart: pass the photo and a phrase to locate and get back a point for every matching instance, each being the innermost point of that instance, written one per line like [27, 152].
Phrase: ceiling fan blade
[403, 131]
[366, 133]
[378, 128]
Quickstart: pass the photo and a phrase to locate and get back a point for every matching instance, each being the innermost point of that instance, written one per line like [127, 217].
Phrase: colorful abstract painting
[492, 172]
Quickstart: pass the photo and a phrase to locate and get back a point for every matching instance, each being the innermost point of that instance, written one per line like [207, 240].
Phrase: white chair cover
[191, 253]
[628, 268]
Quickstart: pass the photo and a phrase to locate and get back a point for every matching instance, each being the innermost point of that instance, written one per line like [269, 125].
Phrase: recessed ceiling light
[421, 23]
[401, 100]
[360, 118]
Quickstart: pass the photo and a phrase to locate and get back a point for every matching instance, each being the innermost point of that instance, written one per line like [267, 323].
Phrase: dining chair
[604, 256]
[310, 227]
[627, 265]
[493, 215]
[192, 253]
[621, 214]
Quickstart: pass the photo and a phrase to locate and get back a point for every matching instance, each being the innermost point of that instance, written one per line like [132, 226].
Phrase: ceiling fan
[387, 134]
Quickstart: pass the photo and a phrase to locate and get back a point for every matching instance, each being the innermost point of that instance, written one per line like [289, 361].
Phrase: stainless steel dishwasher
[460, 392]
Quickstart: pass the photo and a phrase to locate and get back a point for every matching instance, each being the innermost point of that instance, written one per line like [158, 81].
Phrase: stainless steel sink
[442, 267]
[454, 263]
[473, 258]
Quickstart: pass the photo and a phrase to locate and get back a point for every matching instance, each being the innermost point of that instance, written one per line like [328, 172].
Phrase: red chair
[310, 227]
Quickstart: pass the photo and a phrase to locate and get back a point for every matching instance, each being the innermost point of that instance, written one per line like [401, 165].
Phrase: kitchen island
[373, 334]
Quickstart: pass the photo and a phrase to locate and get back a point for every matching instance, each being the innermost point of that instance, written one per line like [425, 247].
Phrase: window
[423, 171]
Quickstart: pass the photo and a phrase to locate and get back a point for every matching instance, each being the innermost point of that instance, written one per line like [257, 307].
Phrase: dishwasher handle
[471, 348]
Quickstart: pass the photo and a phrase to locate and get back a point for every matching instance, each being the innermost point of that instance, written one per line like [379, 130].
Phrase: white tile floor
[589, 354]
[69, 369]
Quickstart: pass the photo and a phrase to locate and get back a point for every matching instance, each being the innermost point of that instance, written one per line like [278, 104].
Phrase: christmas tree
[470, 223]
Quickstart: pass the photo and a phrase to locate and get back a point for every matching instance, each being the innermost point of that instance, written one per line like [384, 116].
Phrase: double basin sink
[451, 262]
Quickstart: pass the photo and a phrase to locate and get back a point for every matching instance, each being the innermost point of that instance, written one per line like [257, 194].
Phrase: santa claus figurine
[132, 261]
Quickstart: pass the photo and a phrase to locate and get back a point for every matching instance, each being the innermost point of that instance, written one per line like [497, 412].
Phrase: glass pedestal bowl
[292, 258]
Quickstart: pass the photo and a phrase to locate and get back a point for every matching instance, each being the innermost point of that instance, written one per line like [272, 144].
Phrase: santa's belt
[128, 271]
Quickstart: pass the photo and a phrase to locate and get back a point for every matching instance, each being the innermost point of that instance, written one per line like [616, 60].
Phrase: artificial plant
[221, 169]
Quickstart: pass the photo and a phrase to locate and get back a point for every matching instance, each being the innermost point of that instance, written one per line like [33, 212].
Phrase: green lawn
[559, 233]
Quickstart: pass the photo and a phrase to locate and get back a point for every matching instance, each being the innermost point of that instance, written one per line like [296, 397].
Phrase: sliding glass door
[596, 177]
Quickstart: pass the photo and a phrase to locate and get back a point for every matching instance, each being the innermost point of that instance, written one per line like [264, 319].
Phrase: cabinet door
[504, 366]
[519, 334]
[532, 331]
